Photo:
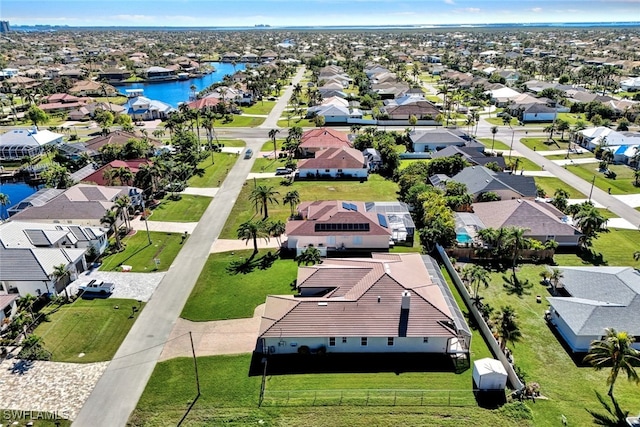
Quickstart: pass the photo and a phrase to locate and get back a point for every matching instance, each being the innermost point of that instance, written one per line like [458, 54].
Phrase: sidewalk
[576, 161]
[164, 227]
[227, 245]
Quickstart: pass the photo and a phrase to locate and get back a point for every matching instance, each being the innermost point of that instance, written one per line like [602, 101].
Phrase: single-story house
[18, 143]
[142, 108]
[390, 303]
[318, 139]
[335, 113]
[336, 162]
[597, 298]
[479, 180]
[101, 176]
[425, 140]
[472, 153]
[337, 225]
[542, 220]
[82, 204]
[631, 84]
[160, 73]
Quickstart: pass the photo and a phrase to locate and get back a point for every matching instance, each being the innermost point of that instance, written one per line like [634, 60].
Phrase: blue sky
[311, 12]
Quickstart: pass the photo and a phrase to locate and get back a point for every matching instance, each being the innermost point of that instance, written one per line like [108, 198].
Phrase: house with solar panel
[390, 303]
[29, 253]
[337, 226]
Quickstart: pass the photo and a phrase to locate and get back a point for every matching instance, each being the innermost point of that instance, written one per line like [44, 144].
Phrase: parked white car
[97, 286]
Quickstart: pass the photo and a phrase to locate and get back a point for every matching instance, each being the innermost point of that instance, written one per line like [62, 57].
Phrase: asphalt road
[117, 393]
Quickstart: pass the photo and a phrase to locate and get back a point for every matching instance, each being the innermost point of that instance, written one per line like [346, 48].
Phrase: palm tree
[614, 351]
[124, 175]
[292, 198]
[261, 196]
[272, 136]
[311, 255]
[494, 131]
[121, 206]
[636, 255]
[60, 272]
[110, 219]
[507, 327]
[4, 201]
[277, 229]
[554, 277]
[478, 276]
[253, 230]
[614, 417]
[589, 221]
[516, 242]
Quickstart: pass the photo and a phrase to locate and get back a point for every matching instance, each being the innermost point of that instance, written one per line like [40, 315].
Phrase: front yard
[622, 184]
[220, 295]
[87, 330]
[188, 209]
[140, 255]
[551, 184]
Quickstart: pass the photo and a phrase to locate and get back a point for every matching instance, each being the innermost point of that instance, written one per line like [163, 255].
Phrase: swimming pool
[463, 238]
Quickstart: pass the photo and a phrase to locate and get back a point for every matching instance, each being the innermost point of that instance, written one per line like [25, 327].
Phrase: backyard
[375, 188]
[141, 256]
[88, 330]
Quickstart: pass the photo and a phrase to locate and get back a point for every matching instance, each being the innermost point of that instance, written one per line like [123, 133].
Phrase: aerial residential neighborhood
[385, 225]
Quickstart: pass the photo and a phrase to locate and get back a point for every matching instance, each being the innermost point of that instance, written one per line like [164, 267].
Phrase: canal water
[177, 91]
[17, 192]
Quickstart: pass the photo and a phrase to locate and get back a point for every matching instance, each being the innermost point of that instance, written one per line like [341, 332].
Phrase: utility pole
[593, 181]
[511, 147]
[146, 224]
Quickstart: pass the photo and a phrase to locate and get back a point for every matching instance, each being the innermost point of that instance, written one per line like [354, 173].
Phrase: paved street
[118, 390]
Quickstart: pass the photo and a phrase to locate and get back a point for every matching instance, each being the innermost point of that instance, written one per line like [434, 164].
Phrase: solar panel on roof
[382, 220]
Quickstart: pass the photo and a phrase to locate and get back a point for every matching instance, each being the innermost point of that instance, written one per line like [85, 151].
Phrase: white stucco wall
[353, 345]
[349, 241]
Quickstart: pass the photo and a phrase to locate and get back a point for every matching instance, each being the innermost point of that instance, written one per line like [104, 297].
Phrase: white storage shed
[489, 374]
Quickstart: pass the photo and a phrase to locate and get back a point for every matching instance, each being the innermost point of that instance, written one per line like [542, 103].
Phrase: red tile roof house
[337, 162]
[337, 226]
[391, 303]
[318, 139]
[98, 176]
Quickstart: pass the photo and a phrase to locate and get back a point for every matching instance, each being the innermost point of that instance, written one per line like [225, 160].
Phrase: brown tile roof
[333, 212]
[335, 158]
[118, 137]
[370, 307]
[98, 176]
[324, 138]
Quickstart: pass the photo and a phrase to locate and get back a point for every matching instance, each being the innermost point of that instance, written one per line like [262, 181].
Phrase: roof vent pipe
[406, 300]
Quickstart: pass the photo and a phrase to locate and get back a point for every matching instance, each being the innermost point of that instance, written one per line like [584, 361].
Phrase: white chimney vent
[406, 300]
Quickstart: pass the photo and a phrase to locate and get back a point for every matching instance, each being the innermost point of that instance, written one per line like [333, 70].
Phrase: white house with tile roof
[391, 303]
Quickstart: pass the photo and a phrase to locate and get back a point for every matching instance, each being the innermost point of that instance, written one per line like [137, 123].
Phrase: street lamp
[511, 146]
[593, 181]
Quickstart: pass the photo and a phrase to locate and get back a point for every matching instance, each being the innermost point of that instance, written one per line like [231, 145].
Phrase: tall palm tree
[554, 277]
[272, 136]
[4, 201]
[589, 221]
[262, 196]
[292, 198]
[110, 219]
[614, 351]
[478, 276]
[121, 206]
[494, 131]
[277, 229]
[124, 175]
[60, 272]
[507, 327]
[253, 230]
[516, 242]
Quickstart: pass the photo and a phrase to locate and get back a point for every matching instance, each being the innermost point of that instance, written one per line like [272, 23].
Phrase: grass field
[268, 145]
[220, 295]
[260, 107]
[295, 121]
[584, 155]
[570, 388]
[623, 184]
[499, 145]
[375, 188]
[215, 173]
[524, 164]
[540, 144]
[616, 248]
[188, 209]
[241, 122]
[551, 184]
[94, 328]
[140, 255]
[262, 164]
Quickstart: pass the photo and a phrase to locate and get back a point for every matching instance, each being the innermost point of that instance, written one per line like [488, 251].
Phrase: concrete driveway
[136, 286]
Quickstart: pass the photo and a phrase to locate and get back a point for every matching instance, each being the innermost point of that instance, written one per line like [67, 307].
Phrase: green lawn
[623, 184]
[140, 255]
[268, 145]
[569, 388]
[497, 121]
[551, 184]
[241, 122]
[260, 107]
[94, 327]
[375, 188]
[305, 123]
[499, 145]
[524, 164]
[584, 155]
[262, 164]
[220, 295]
[616, 247]
[120, 100]
[188, 209]
[232, 142]
[572, 118]
[215, 173]
[540, 144]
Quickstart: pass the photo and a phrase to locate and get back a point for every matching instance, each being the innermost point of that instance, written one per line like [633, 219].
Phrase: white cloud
[449, 2]
[536, 9]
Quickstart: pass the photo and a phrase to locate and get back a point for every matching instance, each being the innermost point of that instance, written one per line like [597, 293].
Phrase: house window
[363, 341]
[332, 341]
[425, 340]
[327, 170]
[551, 237]
[344, 340]
[339, 170]
[390, 341]
[357, 240]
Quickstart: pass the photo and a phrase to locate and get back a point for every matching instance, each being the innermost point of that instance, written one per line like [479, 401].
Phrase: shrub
[517, 411]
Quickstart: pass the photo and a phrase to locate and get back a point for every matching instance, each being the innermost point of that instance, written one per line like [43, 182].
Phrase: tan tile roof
[324, 138]
[335, 158]
[371, 306]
